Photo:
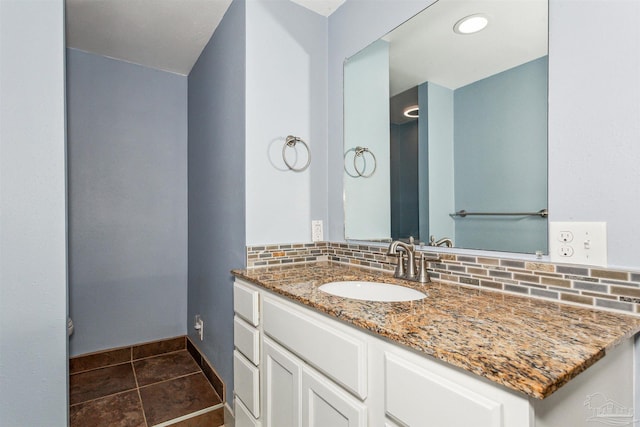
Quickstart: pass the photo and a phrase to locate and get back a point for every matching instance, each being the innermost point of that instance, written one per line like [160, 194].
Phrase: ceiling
[167, 35]
[426, 48]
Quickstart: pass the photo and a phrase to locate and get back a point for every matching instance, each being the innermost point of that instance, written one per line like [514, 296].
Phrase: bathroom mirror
[472, 166]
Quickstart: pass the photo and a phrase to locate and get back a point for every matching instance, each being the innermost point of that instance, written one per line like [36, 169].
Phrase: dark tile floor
[155, 391]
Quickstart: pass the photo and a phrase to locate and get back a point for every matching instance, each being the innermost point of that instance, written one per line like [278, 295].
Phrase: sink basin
[372, 291]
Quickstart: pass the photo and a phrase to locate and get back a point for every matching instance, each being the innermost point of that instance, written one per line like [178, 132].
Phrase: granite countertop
[529, 345]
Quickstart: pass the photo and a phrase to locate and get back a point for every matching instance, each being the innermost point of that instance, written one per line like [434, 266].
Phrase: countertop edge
[545, 390]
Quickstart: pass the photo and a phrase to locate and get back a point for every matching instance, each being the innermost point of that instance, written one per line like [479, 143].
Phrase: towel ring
[360, 152]
[345, 164]
[291, 141]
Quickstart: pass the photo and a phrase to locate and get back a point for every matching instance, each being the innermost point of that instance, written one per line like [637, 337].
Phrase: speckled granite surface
[526, 344]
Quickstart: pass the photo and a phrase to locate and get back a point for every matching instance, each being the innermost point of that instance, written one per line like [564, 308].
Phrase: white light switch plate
[578, 243]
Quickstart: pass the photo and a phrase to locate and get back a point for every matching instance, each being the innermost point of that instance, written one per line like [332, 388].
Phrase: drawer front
[243, 417]
[340, 356]
[414, 394]
[246, 383]
[246, 338]
[245, 302]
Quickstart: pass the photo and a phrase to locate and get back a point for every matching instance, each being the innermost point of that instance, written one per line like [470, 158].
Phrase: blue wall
[366, 102]
[500, 158]
[439, 163]
[127, 190]
[33, 282]
[217, 187]
[405, 212]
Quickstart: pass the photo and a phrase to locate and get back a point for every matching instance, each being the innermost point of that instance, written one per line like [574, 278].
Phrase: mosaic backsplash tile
[583, 285]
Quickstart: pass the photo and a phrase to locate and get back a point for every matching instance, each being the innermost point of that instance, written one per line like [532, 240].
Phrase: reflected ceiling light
[411, 112]
[471, 24]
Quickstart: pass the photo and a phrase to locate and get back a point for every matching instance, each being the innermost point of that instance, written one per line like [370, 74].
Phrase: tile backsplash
[590, 286]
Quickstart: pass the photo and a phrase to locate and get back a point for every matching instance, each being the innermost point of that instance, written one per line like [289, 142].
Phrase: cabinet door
[324, 404]
[282, 386]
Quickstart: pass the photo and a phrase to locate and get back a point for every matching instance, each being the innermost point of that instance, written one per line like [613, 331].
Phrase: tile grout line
[159, 355]
[103, 397]
[135, 377]
[174, 378]
[101, 367]
[128, 361]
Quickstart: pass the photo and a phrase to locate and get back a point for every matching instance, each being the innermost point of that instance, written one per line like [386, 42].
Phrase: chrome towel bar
[462, 213]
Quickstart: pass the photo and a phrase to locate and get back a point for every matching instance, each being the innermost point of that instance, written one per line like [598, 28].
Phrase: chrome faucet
[408, 273]
[409, 249]
[445, 241]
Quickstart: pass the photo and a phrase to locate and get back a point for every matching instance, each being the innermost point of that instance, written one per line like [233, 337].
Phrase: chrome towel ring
[291, 141]
[359, 152]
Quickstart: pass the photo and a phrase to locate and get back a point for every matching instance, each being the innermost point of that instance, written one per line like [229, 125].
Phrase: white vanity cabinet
[296, 395]
[314, 372]
[297, 367]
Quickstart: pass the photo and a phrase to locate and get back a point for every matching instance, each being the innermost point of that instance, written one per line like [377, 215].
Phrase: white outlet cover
[589, 243]
[317, 234]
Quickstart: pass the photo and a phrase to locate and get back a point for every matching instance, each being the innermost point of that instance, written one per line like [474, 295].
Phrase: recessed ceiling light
[412, 112]
[471, 24]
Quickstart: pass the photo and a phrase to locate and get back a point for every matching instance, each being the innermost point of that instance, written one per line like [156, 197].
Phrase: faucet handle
[400, 265]
[423, 276]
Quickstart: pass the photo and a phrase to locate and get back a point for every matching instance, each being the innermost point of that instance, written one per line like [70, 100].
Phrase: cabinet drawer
[414, 394]
[246, 383]
[245, 302]
[243, 417]
[337, 354]
[246, 338]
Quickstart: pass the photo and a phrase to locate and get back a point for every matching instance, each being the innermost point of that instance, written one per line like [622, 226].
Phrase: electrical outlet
[316, 231]
[566, 251]
[199, 326]
[578, 243]
[565, 236]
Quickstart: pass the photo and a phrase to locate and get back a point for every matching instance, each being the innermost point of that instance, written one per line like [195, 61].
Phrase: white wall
[286, 87]
[33, 284]
[594, 120]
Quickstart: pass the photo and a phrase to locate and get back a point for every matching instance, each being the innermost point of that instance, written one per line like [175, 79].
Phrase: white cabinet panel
[282, 387]
[415, 396]
[243, 417]
[246, 381]
[245, 302]
[326, 405]
[339, 355]
[246, 338]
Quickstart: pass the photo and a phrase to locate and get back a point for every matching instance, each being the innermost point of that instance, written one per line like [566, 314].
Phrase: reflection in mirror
[457, 122]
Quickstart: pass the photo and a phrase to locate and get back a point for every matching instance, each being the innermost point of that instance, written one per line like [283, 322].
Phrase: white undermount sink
[372, 291]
